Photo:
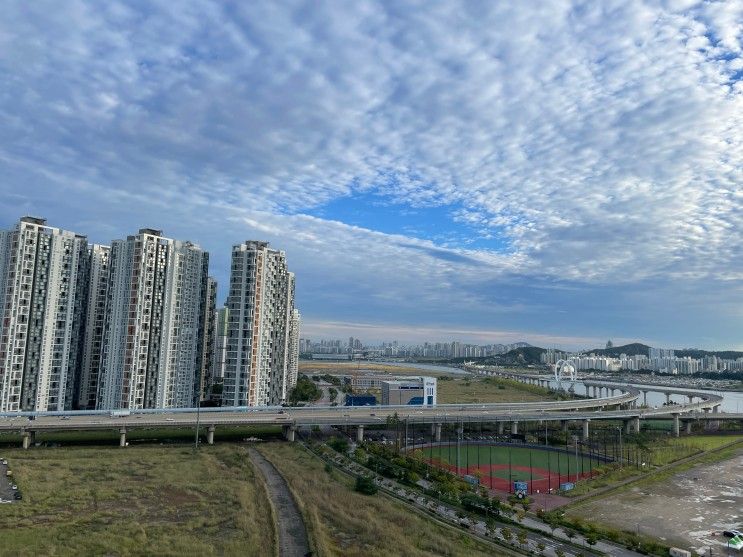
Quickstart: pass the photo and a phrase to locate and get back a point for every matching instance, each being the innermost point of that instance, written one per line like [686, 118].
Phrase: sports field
[499, 465]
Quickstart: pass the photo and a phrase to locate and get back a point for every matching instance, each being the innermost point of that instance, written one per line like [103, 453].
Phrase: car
[372, 414]
[169, 419]
[5, 462]
[13, 486]
[282, 412]
[17, 496]
[732, 533]
[65, 417]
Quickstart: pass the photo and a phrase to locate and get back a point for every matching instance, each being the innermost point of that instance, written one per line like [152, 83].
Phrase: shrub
[366, 486]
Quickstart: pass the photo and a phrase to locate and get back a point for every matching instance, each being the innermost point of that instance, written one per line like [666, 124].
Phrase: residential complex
[134, 324]
[155, 312]
[43, 285]
[262, 327]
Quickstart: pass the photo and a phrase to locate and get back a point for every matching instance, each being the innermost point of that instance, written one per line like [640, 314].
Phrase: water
[426, 367]
[731, 402]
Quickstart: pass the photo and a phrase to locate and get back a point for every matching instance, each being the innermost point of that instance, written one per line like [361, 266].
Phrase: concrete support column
[501, 427]
[585, 430]
[668, 398]
[645, 398]
[26, 435]
[437, 433]
[289, 432]
[688, 427]
[627, 426]
[588, 390]
[514, 427]
[122, 437]
[360, 434]
[676, 425]
[612, 392]
[706, 410]
[691, 398]
[564, 424]
[210, 434]
[636, 424]
[716, 409]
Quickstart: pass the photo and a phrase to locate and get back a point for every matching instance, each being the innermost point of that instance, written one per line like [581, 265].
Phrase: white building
[152, 347]
[258, 368]
[414, 391]
[43, 283]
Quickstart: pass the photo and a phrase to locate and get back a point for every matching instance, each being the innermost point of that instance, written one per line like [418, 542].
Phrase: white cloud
[600, 141]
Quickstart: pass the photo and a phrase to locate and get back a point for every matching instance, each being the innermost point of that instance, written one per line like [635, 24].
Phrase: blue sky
[560, 172]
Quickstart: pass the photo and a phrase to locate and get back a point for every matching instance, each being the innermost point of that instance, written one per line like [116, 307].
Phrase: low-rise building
[415, 391]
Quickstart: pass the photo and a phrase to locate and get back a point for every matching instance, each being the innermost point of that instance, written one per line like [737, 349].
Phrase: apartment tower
[260, 306]
[43, 284]
[154, 324]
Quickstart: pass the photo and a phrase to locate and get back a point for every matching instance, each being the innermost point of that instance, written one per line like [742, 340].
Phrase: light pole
[198, 418]
[619, 429]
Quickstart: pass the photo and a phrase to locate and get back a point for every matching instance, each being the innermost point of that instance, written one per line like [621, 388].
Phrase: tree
[506, 533]
[304, 391]
[365, 485]
[541, 547]
[521, 536]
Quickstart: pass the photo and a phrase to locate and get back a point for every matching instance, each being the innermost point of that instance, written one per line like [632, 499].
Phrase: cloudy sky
[560, 172]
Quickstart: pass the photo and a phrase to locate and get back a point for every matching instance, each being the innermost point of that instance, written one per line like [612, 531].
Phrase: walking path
[293, 540]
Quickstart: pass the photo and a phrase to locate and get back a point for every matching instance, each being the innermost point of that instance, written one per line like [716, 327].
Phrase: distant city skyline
[561, 172]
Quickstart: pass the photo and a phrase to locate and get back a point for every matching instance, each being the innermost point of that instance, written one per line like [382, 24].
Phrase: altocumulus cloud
[598, 142]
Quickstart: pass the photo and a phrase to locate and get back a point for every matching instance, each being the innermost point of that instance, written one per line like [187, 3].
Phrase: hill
[633, 349]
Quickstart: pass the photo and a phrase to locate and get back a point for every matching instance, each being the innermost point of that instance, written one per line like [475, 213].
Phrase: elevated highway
[619, 407]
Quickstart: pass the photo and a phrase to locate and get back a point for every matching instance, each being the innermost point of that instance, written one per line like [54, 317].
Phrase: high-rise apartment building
[260, 303]
[43, 284]
[95, 316]
[292, 366]
[154, 324]
[207, 337]
[221, 317]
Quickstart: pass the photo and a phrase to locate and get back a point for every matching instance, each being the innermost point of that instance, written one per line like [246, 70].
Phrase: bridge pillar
[585, 430]
[612, 391]
[668, 398]
[514, 427]
[716, 408]
[28, 438]
[691, 398]
[636, 424]
[627, 426]
[501, 427]
[360, 434]
[122, 437]
[706, 410]
[644, 398]
[676, 425]
[289, 432]
[210, 434]
[588, 390]
[437, 433]
[564, 424]
[688, 427]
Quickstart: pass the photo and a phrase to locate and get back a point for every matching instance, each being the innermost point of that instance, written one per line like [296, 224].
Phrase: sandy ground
[689, 510]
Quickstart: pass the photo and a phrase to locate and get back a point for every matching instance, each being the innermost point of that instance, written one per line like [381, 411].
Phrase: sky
[561, 172]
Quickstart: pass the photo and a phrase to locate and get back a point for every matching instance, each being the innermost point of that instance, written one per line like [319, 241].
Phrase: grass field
[343, 522]
[488, 389]
[541, 468]
[142, 500]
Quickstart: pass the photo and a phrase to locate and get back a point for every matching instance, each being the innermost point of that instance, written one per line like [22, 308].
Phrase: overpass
[619, 407]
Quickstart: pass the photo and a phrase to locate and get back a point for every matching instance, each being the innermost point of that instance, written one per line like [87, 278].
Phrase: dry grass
[143, 500]
[479, 390]
[343, 522]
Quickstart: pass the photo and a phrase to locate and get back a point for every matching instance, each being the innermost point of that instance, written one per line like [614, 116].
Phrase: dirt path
[292, 533]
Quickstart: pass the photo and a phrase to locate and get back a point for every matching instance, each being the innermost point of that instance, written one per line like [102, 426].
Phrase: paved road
[292, 533]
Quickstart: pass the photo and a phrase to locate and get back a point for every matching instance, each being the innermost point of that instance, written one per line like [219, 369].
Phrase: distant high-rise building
[43, 288]
[260, 304]
[95, 318]
[221, 317]
[155, 308]
[206, 374]
[292, 365]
